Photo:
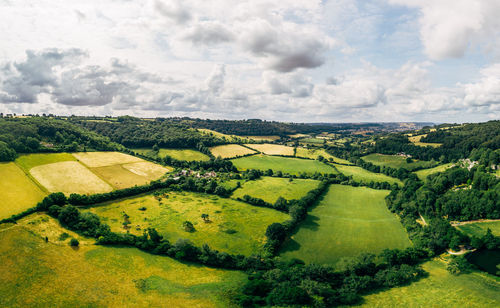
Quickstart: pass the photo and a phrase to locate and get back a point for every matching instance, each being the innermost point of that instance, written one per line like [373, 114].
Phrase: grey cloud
[173, 10]
[209, 33]
[215, 82]
[301, 59]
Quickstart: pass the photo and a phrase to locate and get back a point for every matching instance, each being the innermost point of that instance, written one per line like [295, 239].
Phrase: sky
[290, 60]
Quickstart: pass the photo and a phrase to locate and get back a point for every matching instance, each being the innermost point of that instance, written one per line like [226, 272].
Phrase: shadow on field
[291, 245]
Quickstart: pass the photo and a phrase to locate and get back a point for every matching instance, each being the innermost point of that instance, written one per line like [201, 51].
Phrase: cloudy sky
[289, 60]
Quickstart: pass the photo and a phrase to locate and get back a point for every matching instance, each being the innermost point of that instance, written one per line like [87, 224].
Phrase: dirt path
[461, 252]
[460, 223]
[423, 219]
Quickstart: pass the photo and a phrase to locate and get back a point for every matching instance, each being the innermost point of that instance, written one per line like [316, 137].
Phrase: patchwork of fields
[95, 276]
[284, 164]
[230, 151]
[365, 176]
[270, 189]
[396, 161]
[233, 226]
[346, 222]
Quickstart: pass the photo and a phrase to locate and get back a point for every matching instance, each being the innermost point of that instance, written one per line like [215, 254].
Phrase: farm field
[422, 174]
[346, 222]
[272, 149]
[314, 153]
[69, 177]
[179, 154]
[28, 161]
[416, 141]
[262, 138]
[128, 175]
[270, 189]
[363, 175]
[17, 192]
[284, 164]
[101, 159]
[312, 140]
[479, 229]
[230, 151]
[441, 289]
[234, 226]
[396, 161]
[57, 275]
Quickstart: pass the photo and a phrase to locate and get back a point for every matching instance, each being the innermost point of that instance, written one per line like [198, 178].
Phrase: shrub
[74, 242]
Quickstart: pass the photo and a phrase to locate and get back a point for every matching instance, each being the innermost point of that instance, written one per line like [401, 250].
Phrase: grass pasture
[57, 275]
[416, 141]
[422, 174]
[441, 289]
[363, 175]
[396, 161]
[314, 153]
[28, 161]
[262, 138]
[272, 149]
[69, 177]
[102, 159]
[17, 191]
[346, 222]
[179, 154]
[270, 189]
[479, 229]
[284, 164]
[230, 151]
[234, 226]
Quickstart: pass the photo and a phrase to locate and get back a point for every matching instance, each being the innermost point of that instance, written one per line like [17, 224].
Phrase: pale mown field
[230, 151]
[101, 159]
[272, 149]
[17, 192]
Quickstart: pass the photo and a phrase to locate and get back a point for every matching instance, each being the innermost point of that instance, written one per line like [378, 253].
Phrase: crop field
[346, 222]
[363, 175]
[396, 161]
[57, 275]
[314, 153]
[441, 289]
[28, 161]
[312, 140]
[272, 149]
[422, 174]
[179, 154]
[233, 226]
[263, 138]
[416, 141]
[101, 159]
[69, 177]
[270, 189]
[284, 164]
[230, 151]
[479, 229]
[17, 191]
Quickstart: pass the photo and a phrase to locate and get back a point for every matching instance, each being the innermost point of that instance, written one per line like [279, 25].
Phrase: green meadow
[179, 154]
[422, 174]
[270, 189]
[346, 222]
[479, 229]
[233, 226]
[284, 164]
[396, 161]
[28, 161]
[363, 175]
[315, 153]
[35, 273]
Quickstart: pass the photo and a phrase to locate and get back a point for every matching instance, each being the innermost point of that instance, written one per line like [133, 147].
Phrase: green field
[312, 140]
[441, 289]
[396, 161]
[57, 275]
[314, 153]
[28, 161]
[347, 221]
[234, 226]
[17, 192]
[179, 154]
[479, 229]
[284, 164]
[422, 174]
[270, 189]
[363, 175]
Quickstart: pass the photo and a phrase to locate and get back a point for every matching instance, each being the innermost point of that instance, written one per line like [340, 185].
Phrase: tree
[74, 242]
[276, 232]
[188, 226]
[205, 217]
[6, 153]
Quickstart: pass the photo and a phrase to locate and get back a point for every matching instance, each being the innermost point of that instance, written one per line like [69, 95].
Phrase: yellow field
[17, 191]
[262, 138]
[416, 141]
[314, 153]
[69, 177]
[298, 136]
[272, 149]
[230, 151]
[101, 159]
[34, 273]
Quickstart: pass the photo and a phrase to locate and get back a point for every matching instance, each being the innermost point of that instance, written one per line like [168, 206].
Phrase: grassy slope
[17, 191]
[348, 221]
[396, 161]
[167, 216]
[363, 175]
[179, 154]
[93, 276]
[284, 164]
[422, 174]
[441, 289]
[314, 153]
[270, 189]
[230, 150]
[479, 228]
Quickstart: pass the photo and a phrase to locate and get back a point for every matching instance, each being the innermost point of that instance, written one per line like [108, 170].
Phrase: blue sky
[294, 60]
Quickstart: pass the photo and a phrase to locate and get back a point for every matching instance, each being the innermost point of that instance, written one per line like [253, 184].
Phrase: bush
[74, 242]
